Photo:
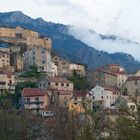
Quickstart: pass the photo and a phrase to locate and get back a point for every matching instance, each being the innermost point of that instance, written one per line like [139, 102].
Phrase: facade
[4, 58]
[132, 85]
[53, 70]
[16, 60]
[125, 102]
[115, 68]
[7, 81]
[119, 71]
[121, 79]
[7, 32]
[21, 35]
[103, 78]
[104, 97]
[76, 101]
[34, 98]
[62, 66]
[32, 38]
[56, 83]
[59, 89]
[38, 56]
[79, 68]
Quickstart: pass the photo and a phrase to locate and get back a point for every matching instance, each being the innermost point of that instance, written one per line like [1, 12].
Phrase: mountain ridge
[67, 45]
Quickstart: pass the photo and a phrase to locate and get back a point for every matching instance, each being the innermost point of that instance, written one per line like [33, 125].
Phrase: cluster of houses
[20, 48]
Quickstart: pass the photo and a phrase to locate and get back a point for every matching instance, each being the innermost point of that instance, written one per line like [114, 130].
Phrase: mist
[96, 41]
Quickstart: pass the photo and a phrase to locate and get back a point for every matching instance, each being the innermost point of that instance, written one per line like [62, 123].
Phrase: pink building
[35, 98]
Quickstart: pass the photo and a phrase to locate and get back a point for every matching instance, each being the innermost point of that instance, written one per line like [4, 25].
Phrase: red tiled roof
[58, 80]
[107, 72]
[121, 72]
[133, 78]
[62, 92]
[28, 92]
[79, 93]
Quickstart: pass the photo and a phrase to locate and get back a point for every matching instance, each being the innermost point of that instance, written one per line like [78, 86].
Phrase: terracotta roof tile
[28, 92]
[79, 93]
[58, 80]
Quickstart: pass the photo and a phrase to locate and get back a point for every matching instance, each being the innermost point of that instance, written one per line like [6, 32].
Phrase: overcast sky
[105, 16]
[119, 17]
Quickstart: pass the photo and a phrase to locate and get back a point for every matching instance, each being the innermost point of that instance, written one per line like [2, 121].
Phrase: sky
[118, 17]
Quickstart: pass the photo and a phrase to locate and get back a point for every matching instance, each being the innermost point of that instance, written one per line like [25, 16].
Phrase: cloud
[94, 40]
[54, 2]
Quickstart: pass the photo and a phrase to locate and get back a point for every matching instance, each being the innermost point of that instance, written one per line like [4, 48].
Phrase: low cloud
[94, 40]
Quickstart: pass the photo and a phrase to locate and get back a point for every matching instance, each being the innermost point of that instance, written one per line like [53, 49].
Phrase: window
[37, 100]
[43, 51]
[28, 100]
[44, 85]
[102, 97]
[62, 84]
[67, 84]
[10, 82]
[56, 84]
[136, 83]
[93, 97]
[33, 57]
[65, 101]
[132, 107]
[43, 62]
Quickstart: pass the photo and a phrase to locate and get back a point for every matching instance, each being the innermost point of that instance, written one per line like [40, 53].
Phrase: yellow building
[76, 106]
[76, 102]
[32, 38]
[7, 32]
[22, 35]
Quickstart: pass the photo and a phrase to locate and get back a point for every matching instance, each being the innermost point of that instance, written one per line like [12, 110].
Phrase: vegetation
[32, 72]
[80, 83]
[92, 125]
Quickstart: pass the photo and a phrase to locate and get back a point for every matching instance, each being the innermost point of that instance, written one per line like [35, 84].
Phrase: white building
[104, 97]
[53, 70]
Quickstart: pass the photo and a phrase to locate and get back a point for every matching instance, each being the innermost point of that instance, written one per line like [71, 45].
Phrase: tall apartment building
[4, 58]
[103, 78]
[62, 66]
[38, 56]
[119, 71]
[132, 85]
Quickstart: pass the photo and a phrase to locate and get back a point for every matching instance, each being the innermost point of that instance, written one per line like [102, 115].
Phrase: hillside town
[43, 83]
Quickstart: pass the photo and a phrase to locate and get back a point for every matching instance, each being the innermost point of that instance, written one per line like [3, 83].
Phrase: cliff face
[66, 45]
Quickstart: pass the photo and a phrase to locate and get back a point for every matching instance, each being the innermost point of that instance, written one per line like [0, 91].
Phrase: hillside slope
[66, 45]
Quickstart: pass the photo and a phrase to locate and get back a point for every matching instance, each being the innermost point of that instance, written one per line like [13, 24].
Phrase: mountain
[66, 45]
